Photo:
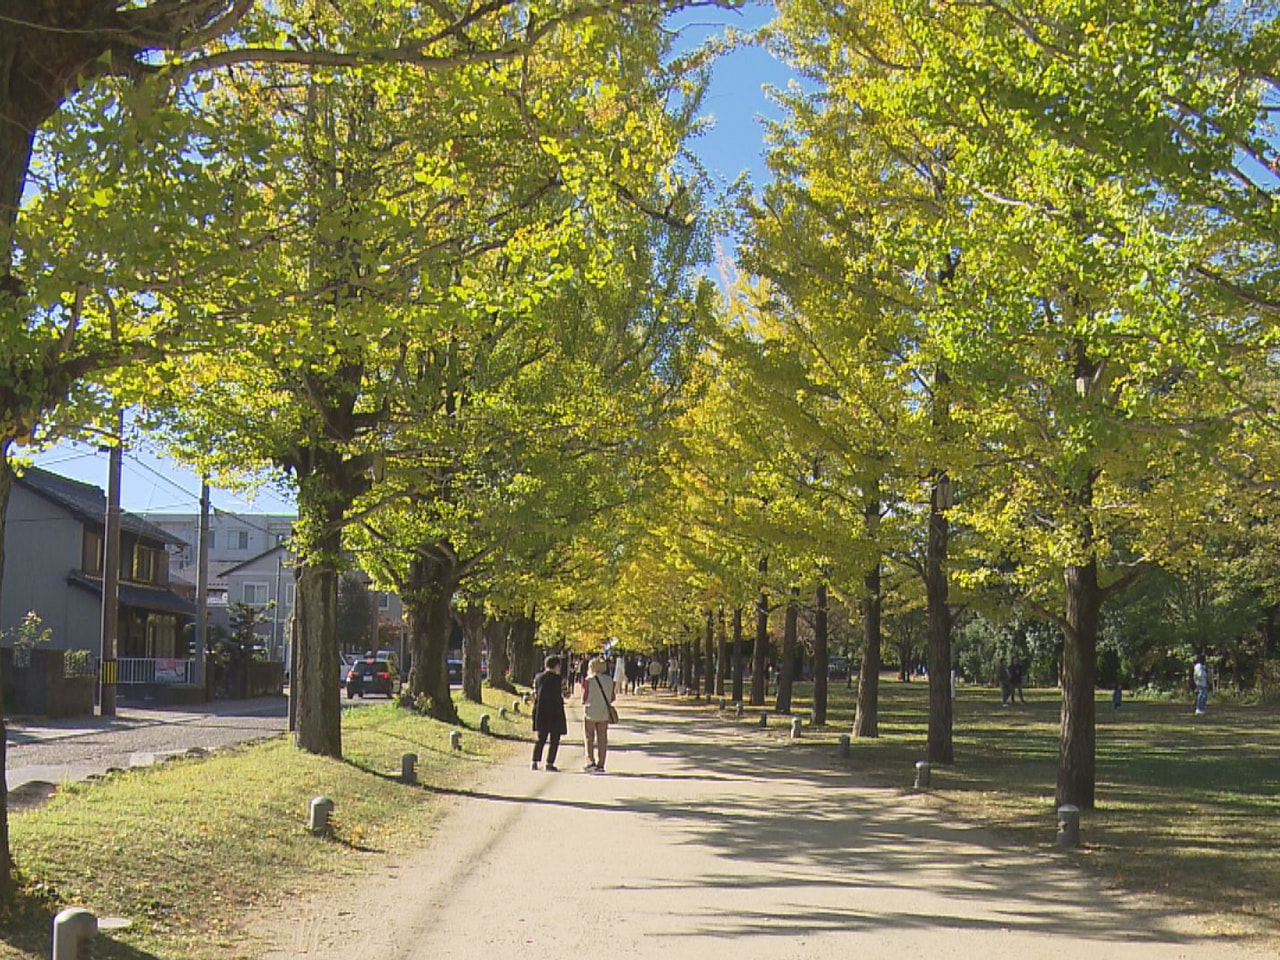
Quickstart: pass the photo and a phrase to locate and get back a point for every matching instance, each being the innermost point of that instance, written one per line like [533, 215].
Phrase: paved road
[49, 752]
[709, 839]
[74, 748]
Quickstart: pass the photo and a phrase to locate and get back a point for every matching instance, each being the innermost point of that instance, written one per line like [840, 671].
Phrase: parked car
[455, 671]
[838, 668]
[373, 676]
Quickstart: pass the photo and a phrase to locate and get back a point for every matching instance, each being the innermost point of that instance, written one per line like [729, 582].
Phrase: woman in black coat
[548, 712]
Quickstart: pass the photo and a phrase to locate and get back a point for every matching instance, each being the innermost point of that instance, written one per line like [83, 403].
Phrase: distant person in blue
[548, 712]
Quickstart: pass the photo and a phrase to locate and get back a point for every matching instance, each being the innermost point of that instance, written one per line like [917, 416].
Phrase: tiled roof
[87, 502]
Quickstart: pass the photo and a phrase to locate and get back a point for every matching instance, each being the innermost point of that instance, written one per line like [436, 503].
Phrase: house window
[241, 538]
[92, 560]
[384, 601]
[288, 594]
[256, 593]
[146, 564]
[213, 539]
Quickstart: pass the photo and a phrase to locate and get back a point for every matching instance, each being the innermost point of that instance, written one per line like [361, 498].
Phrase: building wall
[42, 544]
[257, 533]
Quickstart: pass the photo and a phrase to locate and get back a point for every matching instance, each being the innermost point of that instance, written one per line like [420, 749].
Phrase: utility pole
[111, 579]
[277, 642]
[202, 584]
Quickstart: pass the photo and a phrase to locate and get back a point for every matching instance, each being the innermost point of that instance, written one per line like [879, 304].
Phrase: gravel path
[710, 839]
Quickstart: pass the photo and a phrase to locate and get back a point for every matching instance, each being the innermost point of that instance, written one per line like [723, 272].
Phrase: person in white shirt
[1200, 675]
[598, 693]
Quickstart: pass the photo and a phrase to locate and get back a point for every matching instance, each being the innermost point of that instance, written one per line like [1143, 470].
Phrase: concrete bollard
[515, 706]
[922, 774]
[742, 710]
[796, 726]
[844, 746]
[1068, 826]
[73, 933]
[484, 723]
[455, 739]
[502, 713]
[321, 810]
[408, 763]
[722, 704]
[764, 720]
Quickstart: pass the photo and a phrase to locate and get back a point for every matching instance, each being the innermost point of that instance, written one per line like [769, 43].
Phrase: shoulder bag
[613, 714]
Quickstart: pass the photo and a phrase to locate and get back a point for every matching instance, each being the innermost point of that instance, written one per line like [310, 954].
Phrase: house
[53, 540]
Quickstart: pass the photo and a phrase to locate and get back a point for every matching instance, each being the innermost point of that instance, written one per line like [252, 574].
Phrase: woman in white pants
[598, 693]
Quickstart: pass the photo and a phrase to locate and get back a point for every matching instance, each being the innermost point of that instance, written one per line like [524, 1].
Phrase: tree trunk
[940, 748]
[496, 635]
[787, 660]
[820, 664]
[319, 713]
[523, 633]
[737, 655]
[6, 861]
[432, 582]
[686, 665]
[1076, 760]
[866, 722]
[709, 673]
[472, 620]
[760, 652]
[722, 658]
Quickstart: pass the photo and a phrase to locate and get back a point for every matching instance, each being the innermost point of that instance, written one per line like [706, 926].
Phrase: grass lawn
[1188, 807]
[188, 849]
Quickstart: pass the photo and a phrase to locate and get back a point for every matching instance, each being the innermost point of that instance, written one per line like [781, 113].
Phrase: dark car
[455, 671]
[372, 676]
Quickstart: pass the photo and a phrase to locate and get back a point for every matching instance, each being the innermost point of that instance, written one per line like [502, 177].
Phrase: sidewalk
[708, 837]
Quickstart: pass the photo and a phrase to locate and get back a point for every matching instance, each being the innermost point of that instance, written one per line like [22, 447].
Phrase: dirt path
[709, 837]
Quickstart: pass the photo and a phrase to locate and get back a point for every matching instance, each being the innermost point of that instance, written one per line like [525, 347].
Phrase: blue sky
[735, 101]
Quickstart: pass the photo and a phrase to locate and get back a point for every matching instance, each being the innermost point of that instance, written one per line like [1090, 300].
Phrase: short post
[455, 739]
[502, 713]
[722, 704]
[742, 710]
[321, 810]
[73, 933]
[407, 764]
[922, 774]
[844, 746]
[515, 706]
[796, 726]
[484, 723]
[764, 720]
[1068, 826]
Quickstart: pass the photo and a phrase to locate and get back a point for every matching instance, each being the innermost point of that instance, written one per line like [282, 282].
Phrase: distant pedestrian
[1017, 673]
[548, 712]
[673, 673]
[1006, 688]
[955, 682]
[1200, 679]
[655, 673]
[1117, 697]
[620, 672]
[598, 693]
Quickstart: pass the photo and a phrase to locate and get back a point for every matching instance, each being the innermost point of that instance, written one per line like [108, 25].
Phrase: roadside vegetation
[189, 850]
[1188, 807]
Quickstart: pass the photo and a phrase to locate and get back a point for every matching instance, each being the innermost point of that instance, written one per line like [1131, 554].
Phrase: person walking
[1017, 673]
[1006, 688]
[598, 693]
[1200, 677]
[548, 712]
[655, 673]
[620, 672]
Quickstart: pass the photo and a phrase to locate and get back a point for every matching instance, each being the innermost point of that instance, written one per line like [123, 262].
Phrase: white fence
[152, 670]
